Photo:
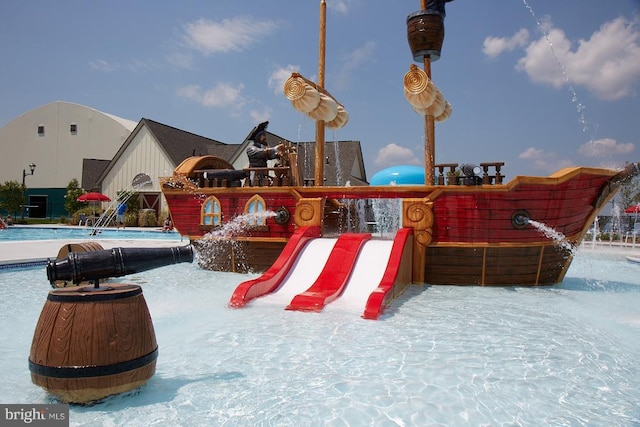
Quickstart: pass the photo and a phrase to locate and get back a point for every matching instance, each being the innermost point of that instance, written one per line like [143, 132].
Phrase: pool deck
[17, 254]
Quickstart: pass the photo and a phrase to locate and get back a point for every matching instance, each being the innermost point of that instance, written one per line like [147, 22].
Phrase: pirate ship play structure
[464, 226]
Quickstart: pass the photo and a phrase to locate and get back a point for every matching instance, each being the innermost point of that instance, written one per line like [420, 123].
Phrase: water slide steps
[334, 276]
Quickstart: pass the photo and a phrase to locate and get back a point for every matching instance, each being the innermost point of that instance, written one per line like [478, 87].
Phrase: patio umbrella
[633, 209]
[93, 197]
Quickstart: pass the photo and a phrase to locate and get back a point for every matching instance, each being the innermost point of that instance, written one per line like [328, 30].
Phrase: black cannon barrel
[116, 262]
[228, 174]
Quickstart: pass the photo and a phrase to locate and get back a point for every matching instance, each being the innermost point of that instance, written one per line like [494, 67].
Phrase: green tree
[11, 197]
[71, 203]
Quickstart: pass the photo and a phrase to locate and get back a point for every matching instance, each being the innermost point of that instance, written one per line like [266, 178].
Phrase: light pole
[32, 167]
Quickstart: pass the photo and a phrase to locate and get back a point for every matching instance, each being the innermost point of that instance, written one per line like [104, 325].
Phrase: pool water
[20, 233]
[441, 355]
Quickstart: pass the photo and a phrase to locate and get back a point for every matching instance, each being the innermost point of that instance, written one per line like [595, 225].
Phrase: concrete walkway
[35, 252]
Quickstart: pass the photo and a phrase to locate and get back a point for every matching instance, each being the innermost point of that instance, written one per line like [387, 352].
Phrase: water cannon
[520, 219]
[230, 175]
[471, 174]
[282, 216]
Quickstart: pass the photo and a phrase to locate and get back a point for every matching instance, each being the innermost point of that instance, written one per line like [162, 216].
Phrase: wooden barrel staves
[91, 343]
[425, 33]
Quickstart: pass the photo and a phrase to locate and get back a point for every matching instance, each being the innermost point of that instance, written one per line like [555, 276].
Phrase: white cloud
[279, 76]
[260, 116]
[608, 63]
[235, 34]
[393, 154]
[545, 59]
[544, 161]
[135, 66]
[223, 95]
[103, 65]
[180, 59]
[494, 46]
[605, 147]
[138, 65]
[532, 153]
[340, 6]
[353, 61]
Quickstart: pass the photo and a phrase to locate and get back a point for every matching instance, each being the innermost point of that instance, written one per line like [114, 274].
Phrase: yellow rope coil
[415, 80]
[295, 88]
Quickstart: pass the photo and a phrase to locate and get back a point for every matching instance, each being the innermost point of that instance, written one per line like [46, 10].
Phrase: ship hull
[465, 234]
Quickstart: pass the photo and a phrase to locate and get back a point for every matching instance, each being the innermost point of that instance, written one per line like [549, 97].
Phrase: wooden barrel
[425, 33]
[74, 247]
[91, 343]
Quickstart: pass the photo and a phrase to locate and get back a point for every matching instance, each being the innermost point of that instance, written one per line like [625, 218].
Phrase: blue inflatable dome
[399, 175]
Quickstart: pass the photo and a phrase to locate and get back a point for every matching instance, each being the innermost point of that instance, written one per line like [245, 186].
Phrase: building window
[41, 130]
[73, 128]
[256, 208]
[211, 213]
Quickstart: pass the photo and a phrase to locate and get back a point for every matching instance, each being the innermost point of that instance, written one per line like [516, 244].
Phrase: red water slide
[334, 276]
[271, 279]
[396, 278]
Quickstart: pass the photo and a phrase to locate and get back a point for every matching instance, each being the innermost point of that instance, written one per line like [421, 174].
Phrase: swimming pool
[441, 355]
[21, 233]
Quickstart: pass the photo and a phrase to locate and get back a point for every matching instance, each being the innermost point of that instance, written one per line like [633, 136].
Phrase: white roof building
[56, 137]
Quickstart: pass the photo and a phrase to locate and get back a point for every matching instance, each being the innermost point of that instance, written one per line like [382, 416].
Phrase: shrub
[147, 218]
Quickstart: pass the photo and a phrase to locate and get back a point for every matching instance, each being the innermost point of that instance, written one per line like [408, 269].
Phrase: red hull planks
[483, 216]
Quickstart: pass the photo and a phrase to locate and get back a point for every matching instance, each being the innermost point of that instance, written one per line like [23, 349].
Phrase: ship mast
[425, 33]
[319, 169]
[316, 102]
[429, 127]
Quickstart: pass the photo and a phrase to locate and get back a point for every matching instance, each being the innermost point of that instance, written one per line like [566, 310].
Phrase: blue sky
[538, 84]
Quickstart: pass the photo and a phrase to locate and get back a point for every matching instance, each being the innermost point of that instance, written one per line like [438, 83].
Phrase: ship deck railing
[451, 174]
[268, 177]
[249, 177]
[446, 174]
